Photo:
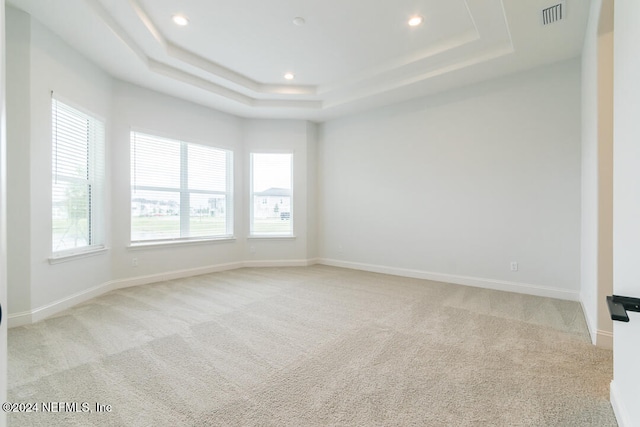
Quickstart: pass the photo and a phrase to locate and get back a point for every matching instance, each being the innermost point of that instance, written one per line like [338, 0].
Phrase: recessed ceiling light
[299, 21]
[180, 20]
[414, 21]
[289, 76]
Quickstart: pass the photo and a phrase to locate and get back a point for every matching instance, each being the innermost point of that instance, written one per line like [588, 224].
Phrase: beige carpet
[316, 346]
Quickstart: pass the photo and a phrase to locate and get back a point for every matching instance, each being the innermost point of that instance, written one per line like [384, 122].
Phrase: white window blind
[78, 178]
[179, 190]
[272, 194]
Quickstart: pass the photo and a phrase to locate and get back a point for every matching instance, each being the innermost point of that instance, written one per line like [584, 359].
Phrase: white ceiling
[349, 56]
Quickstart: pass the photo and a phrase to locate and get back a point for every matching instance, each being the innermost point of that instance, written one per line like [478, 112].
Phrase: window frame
[95, 181]
[184, 193]
[252, 233]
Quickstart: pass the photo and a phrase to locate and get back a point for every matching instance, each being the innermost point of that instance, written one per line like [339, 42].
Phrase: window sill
[76, 254]
[177, 243]
[272, 237]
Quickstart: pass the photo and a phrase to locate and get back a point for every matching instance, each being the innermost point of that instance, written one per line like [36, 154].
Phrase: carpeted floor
[315, 346]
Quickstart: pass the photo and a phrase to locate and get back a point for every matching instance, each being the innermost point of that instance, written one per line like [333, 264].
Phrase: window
[77, 179]
[179, 190]
[271, 192]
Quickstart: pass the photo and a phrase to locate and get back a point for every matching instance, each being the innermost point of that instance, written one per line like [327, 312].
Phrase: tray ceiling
[346, 57]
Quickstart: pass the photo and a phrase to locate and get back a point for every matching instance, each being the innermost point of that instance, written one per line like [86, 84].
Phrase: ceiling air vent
[553, 13]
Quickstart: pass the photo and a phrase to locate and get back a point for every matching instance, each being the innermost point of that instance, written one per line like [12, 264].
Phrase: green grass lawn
[169, 226]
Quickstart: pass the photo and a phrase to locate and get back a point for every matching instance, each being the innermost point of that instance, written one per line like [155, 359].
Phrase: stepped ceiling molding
[346, 57]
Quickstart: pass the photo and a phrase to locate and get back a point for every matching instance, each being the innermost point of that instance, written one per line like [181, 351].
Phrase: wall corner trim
[622, 416]
[599, 338]
[604, 339]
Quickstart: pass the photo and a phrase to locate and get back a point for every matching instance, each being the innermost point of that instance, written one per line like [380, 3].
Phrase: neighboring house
[272, 203]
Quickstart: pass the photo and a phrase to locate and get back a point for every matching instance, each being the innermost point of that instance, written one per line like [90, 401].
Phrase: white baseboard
[599, 338]
[19, 319]
[499, 285]
[622, 416]
[171, 275]
[27, 317]
[280, 263]
[40, 313]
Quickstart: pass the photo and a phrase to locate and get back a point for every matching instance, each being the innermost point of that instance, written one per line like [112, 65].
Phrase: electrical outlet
[514, 266]
[340, 249]
[134, 262]
[252, 249]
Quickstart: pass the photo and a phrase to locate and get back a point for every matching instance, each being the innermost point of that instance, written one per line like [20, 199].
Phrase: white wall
[280, 136]
[625, 388]
[457, 186]
[56, 67]
[589, 191]
[140, 109]
[40, 63]
[18, 28]
[312, 191]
